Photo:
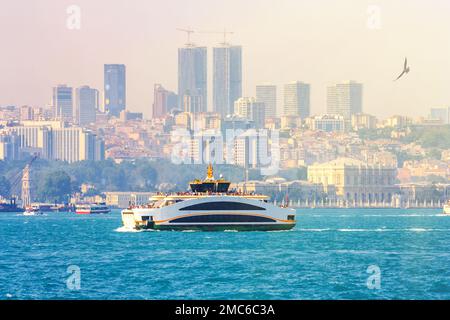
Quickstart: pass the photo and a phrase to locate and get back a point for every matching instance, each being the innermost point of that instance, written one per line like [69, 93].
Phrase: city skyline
[319, 56]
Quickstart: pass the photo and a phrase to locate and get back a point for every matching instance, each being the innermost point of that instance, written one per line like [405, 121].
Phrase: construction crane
[224, 32]
[188, 31]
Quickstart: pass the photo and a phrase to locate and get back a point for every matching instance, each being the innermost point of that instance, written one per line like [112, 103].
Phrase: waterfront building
[86, 105]
[250, 109]
[345, 99]
[123, 200]
[297, 99]
[227, 78]
[278, 188]
[192, 75]
[267, 94]
[115, 88]
[63, 102]
[355, 180]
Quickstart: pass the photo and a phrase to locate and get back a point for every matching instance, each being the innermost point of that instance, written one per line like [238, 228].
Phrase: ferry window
[291, 217]
[221, 218]
[222, 205]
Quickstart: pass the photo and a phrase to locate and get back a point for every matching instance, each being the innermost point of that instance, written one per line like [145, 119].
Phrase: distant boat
[92, 208]
[32, 211]
[10, 206]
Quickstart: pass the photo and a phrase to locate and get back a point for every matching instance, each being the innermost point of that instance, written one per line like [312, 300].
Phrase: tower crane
[188, 31]
[224, 32]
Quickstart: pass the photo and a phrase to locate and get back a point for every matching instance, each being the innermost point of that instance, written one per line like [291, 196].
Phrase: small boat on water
[209, 207]
[32, 210]
[447, 208]
[92, 208]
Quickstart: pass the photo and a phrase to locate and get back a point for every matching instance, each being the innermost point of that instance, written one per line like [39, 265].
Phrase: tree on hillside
[55, 186]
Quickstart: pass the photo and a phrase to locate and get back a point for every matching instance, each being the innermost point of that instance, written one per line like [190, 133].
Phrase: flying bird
[405, 70]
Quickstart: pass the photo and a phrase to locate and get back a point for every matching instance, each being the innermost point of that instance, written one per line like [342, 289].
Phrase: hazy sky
[315, 41]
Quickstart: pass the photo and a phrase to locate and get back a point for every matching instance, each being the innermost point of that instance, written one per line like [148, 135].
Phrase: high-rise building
[227, 78]
[164, 101]
[75, 144]
[267, 93]
[250, 109]
[192, 74]
[86, 105]
[443, 114]
[159, 101]
[63, 102]
[115, 88]
[26, 113]
[192, 104]
[54, 142]
[248, 149]
[9, 146]
[296, 99]
[345, 99]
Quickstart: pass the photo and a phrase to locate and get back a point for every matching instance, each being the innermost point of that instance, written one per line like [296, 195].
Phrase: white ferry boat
[209, 207]
[447, 208]
[92, 208]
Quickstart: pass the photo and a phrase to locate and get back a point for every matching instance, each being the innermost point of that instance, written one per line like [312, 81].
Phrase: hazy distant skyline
[318, 42]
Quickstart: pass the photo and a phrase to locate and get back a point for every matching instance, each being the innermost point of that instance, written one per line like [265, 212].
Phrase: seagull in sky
[405, 70]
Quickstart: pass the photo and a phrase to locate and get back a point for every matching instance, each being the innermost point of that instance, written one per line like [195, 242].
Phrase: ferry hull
[223, 227]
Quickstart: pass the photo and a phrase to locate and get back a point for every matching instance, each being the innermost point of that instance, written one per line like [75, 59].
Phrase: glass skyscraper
[227, 76]
[63, 102]
[267, 93]
[192, 75]
[115, 88]
[345, 99]
[296, 99]
[86, 105]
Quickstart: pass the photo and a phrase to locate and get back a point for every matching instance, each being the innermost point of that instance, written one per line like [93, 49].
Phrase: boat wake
[373, 230]
[126, 229]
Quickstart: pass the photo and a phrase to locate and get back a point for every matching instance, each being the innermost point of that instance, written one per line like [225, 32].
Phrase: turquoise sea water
[325, 257]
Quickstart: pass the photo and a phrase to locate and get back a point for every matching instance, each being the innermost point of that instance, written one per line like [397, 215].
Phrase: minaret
[26, 181]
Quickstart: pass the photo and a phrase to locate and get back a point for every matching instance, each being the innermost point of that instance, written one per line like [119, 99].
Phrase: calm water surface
[325, 257]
